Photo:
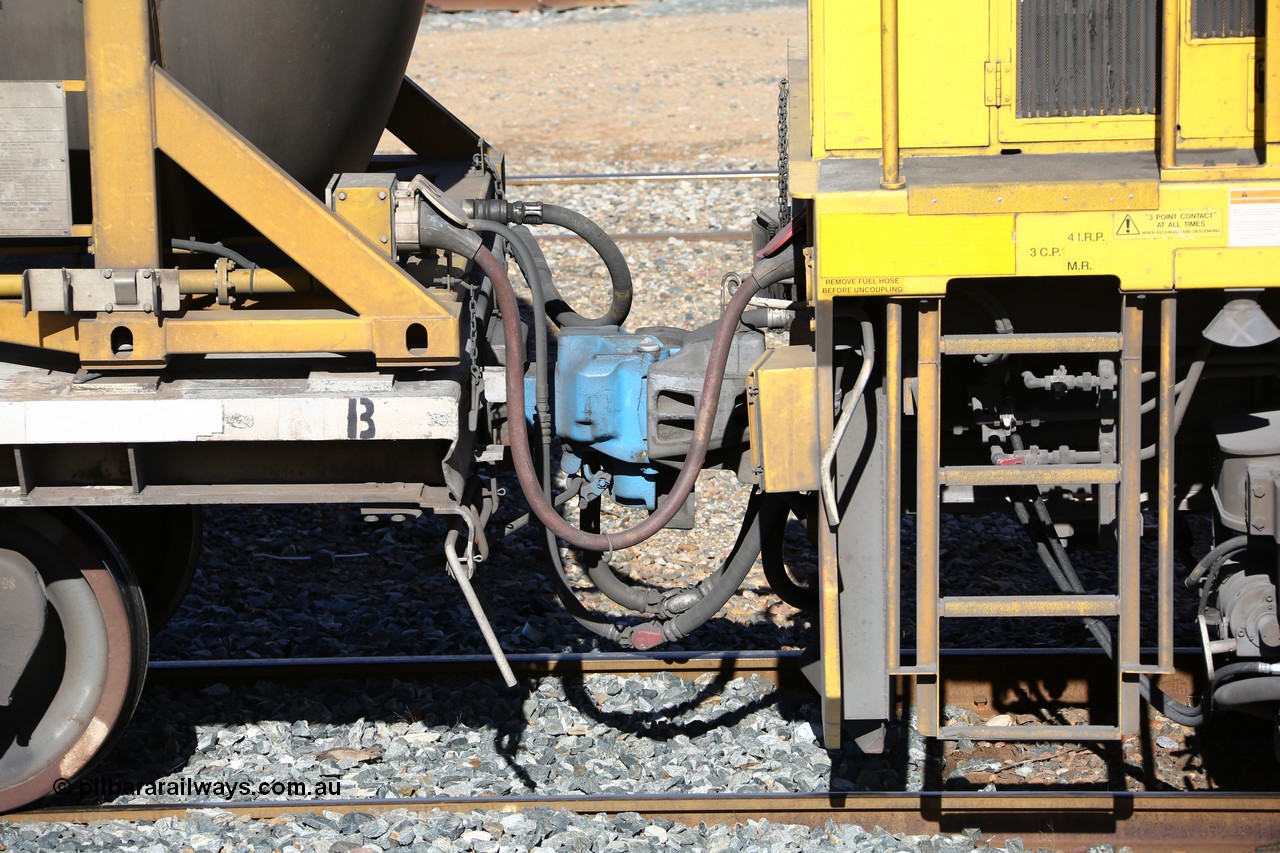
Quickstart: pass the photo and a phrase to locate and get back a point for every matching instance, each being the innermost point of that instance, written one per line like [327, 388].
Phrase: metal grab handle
[851, 401]
[1170, 32]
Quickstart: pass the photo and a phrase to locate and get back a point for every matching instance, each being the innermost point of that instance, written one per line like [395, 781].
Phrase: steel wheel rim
[66, 724]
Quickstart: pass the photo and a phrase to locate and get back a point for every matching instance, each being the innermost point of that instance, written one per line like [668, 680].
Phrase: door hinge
[996, 91]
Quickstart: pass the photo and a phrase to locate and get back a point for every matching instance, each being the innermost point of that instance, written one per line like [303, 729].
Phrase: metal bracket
[91, 291]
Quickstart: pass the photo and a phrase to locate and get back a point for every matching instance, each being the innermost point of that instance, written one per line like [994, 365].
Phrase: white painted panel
[122, 421]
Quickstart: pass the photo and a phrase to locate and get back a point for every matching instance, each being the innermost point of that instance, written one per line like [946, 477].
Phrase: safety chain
[784, 192]
[480, 162]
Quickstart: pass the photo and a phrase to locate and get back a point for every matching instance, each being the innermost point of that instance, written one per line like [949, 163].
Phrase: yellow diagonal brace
[226, 163]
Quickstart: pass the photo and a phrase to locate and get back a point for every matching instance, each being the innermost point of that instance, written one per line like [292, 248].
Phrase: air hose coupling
[501, 210]
[436, 233]
[679, 600]
[645, 637]
[653, 634]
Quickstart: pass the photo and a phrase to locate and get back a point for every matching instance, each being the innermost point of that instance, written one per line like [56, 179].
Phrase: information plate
[35, 182]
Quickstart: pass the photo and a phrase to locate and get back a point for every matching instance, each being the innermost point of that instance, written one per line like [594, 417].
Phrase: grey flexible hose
[537, 213]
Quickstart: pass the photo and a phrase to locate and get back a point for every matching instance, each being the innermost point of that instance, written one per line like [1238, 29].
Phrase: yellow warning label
[1166, 224]
[860, 285]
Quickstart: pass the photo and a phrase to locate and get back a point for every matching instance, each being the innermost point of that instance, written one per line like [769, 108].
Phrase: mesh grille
[1088, 57]
[1216, 19]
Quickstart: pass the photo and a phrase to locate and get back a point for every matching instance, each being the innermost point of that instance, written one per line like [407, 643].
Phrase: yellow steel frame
[136, 109]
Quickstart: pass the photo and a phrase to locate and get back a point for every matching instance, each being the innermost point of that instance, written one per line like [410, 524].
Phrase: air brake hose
[774, 515]
[526, 260]
[641, 599]
[537, 213]
[714, 591]
[215, 249]
[765, 273]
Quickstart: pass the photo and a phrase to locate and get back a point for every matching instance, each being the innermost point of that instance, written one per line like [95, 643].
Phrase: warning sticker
[1167, 224]
[1254, 218]
[860, 285]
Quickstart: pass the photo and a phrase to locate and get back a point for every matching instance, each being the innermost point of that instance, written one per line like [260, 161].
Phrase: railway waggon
[1023, 262]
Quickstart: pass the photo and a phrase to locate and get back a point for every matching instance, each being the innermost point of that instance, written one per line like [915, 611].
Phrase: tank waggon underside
[997, 294]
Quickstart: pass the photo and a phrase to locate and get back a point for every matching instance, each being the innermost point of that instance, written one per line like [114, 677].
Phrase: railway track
[632, 177]
[516, 5]
[983, 680]
[1060, 820]
[636, 177]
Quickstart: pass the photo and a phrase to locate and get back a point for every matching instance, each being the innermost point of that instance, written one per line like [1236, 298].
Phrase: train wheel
[163, 546]
[73, 652]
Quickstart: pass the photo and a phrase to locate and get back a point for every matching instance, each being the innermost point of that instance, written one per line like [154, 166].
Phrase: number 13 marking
[362, 418]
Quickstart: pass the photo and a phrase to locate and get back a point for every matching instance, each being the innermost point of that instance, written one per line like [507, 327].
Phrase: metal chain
[784, 192]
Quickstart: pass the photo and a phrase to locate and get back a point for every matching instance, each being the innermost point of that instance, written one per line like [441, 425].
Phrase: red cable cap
[645, 637]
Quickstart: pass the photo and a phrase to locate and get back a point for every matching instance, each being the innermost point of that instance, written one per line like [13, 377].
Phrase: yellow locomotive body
[1095, 180]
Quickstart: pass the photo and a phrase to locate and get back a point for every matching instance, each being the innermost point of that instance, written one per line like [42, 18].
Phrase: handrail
[890, 178]
[1271, 84]
[1171, 11]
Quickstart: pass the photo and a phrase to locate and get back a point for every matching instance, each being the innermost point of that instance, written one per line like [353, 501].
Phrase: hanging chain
[784, 192]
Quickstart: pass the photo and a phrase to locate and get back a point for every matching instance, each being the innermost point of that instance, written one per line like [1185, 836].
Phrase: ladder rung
[993, 606]
[1008, 733]
[1029, 475]
[1061, 342]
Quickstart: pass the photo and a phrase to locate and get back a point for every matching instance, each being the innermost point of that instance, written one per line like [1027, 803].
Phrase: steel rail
[1059, 820]
[660, 236]
[628, 177]
[691, 664]
[516, 5]
[988, 681]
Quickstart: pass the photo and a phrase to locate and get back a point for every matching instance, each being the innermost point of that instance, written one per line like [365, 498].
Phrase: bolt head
[106, 273]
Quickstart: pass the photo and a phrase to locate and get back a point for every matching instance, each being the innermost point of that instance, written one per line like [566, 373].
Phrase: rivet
[999, 199]
[383, 237]
[146, 307]
[146, 273]
[382, 195]
[934, 201]
[342, 196]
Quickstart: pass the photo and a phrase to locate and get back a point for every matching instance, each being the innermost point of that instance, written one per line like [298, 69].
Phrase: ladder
[1123, 475]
